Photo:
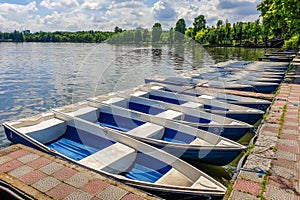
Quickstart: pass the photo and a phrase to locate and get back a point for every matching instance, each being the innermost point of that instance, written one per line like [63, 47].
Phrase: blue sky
[74, 15]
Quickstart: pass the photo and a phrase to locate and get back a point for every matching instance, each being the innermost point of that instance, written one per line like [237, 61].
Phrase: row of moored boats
[138, 136]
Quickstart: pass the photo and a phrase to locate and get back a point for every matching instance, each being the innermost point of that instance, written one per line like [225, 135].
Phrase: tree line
[280, 21]
[58, 36]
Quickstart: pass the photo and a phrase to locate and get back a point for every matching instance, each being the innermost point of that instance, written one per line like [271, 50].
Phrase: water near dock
[35, 77]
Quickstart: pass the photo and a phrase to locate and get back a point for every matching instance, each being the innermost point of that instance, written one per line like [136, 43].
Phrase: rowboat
[188, 81]
[188, 113]
[178, 139]
[234, 76]
[112, 154]
[241, 113]
[228, 98]
[217, 82]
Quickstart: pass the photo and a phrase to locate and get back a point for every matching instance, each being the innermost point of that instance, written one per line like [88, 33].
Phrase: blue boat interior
[125, 124]
[78, 144]
[146, 168]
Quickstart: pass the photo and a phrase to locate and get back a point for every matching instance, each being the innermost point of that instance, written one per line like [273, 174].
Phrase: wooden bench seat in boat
[44, 131]
[88, 113]
[174, 177]
[199, 141]
[115, 158]
[148, 130]
[170, 114]
[118, 101]
[191, 104]
[204, 183]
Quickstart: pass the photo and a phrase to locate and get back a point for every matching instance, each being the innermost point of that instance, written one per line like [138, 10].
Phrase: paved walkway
[277, 150]
[42, 176]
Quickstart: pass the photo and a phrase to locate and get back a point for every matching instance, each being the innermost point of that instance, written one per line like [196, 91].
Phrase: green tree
[199, 23]
[118, 30]
[180, 29]
[156, 32]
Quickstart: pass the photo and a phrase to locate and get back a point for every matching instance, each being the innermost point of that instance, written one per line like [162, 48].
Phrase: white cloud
[59, 4]
[74, 15]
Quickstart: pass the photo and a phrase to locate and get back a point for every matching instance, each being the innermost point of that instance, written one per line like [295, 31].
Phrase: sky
[77, 15]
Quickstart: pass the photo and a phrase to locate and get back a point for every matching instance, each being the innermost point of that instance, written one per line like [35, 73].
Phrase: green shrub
[292, 43]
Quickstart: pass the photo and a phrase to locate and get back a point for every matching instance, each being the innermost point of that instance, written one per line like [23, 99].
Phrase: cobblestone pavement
[42, 176]
[277, 150]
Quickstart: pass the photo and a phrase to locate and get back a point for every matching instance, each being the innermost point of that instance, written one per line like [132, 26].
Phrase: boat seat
[148, 130]
[224, 143]
[191, 104]
[204, 183]
[46, 131]
[206, 97]
[170, 114]
[87, 113]
[115, 159]
[235, 123]
[157, 87]
[118, 101]
[140, 94]
[174, 177]
[201, 142]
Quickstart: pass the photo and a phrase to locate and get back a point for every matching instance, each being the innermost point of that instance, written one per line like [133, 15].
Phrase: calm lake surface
[35, 77]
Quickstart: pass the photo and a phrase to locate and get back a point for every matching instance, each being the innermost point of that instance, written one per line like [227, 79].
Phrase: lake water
[35, 77]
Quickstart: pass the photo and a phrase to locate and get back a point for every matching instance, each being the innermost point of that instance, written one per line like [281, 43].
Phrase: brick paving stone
[4, 159]
[270, 128]
[287, 148]
[291, 132]
[280, 182]
[112, 193]
[284, 163]
[28, 158]
[18, 153]
[254, 161]
[79, 179]
[46, 184]
[289, 136]
[275, 193]
[252, 176]
[78, 194]
[293, 143]
[20, 171]
[32, 177]
[51, 168]
[61, 191]
[288, 127]
[94, 186]
[286, 155]
[132, 197]
[288, 119]
[268, 133]
[40, 162]
[266, 141]
[284, 172]
[247, 186]
[13, 164]
[237, 195]
[64, 173]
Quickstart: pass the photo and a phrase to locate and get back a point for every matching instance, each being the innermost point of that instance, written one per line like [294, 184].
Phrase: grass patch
[282, 120]
[250, 149]
[228, 191]
[264, 185]
[274, 149]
